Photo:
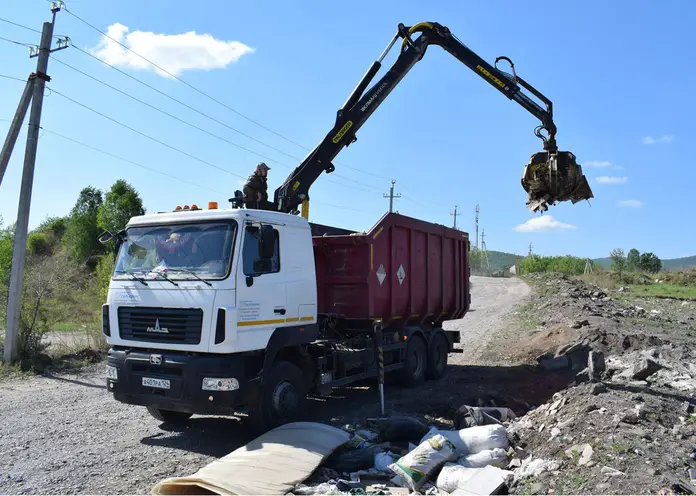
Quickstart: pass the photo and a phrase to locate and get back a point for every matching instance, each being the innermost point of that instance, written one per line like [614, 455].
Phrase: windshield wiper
[164, 277]
[132, 276]
[187, 271]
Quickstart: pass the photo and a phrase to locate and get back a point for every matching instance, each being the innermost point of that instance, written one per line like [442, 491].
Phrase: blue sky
[618, 74]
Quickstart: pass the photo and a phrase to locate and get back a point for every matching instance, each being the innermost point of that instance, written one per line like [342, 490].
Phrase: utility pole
[455, 214]
[391, 196]
[38, 83]
[477, 217]
[484, 252]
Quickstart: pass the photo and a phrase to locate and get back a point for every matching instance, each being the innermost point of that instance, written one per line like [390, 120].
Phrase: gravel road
[493, 299]
[65, 434]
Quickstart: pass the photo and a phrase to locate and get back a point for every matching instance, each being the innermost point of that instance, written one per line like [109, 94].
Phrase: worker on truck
[256, 189]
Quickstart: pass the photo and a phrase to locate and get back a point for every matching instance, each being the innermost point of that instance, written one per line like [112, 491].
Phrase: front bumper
[185, 373]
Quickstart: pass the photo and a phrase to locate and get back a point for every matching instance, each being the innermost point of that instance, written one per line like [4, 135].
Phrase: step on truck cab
[217, 311]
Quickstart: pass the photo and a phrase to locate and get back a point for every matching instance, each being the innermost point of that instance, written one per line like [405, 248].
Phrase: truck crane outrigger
[550, 176]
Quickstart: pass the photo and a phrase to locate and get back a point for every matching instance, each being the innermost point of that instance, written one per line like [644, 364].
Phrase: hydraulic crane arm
[550, 176]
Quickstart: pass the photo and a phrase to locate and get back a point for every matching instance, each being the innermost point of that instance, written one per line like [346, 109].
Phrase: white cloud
[174, 52]
[543, 223]
[596, 163]
[631, 203]
[611, 179]
[651, 140]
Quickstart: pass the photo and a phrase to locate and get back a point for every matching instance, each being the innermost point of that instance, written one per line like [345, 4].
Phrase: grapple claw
[552, 177]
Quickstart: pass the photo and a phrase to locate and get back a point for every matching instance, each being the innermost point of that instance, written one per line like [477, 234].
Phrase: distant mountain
[667, 264]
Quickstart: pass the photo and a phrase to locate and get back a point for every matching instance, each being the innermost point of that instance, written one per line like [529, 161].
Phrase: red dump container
[404, 271]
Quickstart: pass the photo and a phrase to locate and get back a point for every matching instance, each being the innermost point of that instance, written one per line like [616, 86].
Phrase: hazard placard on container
[401, 274]
[381, 274]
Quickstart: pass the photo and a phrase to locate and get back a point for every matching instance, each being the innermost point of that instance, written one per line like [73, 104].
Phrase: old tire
[437, 357]
[169, 416]
[283, 396]
[415, 362]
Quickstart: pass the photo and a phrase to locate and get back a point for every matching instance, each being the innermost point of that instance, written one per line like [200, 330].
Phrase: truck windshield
[177, 251]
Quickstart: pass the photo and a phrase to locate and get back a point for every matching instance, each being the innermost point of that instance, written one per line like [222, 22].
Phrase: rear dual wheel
[423, 361]
[437, 357]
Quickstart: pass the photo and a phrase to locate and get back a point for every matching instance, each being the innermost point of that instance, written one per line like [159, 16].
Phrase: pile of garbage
[402, 455]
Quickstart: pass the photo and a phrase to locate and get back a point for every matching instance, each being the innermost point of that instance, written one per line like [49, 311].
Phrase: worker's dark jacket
[255, 184]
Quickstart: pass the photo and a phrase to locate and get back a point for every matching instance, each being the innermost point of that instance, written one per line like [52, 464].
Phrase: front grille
[182, 325]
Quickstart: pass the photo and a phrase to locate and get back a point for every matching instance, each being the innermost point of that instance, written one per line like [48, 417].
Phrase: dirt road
[493, 300]
[65, 434]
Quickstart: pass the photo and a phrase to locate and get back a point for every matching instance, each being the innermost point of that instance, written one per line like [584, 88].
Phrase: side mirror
[266, 241]
[105, 237]
[262, 265]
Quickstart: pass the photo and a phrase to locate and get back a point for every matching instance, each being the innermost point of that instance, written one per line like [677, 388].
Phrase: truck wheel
[437, 357]
[283, 396]
[169, 416]
[415, 363]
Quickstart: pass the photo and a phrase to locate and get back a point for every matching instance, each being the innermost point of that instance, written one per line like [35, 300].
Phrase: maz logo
[157, 328]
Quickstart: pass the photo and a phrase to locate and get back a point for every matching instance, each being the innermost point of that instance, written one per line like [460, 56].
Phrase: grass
[619, 448]
[67, 326]
[665, 290]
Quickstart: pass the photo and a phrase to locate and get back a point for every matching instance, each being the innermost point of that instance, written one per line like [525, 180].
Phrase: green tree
[633, 260]
[82, 231]
[56, 226]
[6, 248]
[618, 262]
[39, 243]
[650, 263]
[121, 203]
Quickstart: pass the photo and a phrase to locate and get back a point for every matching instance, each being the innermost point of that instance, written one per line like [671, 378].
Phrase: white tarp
[271, 464]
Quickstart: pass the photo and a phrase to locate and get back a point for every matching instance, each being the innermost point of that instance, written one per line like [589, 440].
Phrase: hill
[667, 264]
[499, 260]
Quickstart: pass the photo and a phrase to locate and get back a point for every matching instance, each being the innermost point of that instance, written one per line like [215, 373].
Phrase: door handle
[280, 311]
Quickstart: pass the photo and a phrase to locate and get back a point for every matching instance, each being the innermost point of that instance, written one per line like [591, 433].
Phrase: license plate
[156, 383]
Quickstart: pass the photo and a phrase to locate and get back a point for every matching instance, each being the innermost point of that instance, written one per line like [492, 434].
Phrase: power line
[14, 78]
[28, 45]
[181, 80]
[129, 161]
[197, 111]
[177, 178]
[207, 116]
[183, 121]
[202, 93]
[20, 25]
[147, 135]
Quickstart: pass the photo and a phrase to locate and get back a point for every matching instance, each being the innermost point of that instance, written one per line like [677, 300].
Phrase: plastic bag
[397, 429]
[353, 460]
[383, 460]
[474, 439]
[416, 467]
[496, 457]
[452, 475]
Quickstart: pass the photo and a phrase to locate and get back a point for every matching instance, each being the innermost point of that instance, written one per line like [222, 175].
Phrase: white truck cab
[214, 284]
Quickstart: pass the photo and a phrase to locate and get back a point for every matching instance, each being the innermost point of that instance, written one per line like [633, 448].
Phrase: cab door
[261, 289]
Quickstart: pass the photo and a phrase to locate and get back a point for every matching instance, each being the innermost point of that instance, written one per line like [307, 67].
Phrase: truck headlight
[112, 372]
[220, 384]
